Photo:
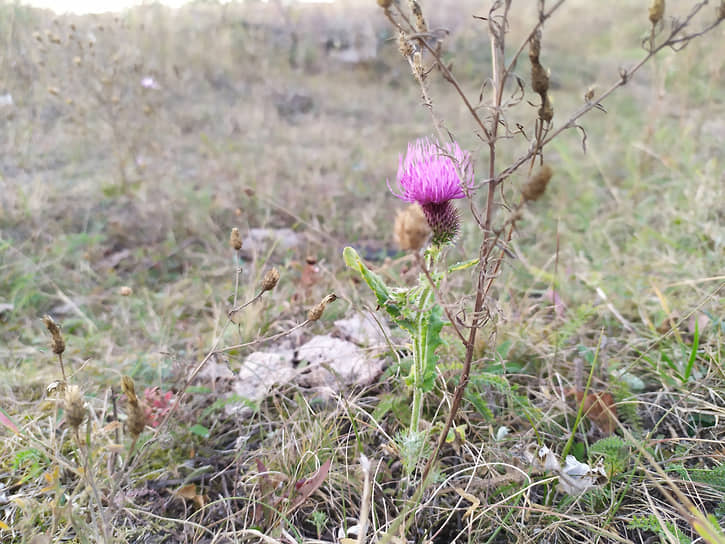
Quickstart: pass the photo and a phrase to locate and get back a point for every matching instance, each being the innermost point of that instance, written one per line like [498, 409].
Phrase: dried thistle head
[536, 185]
[385, 4]
[136, 410]
[57, 343]
[656, 11]
[535, 47]
[316, 311]
[546, 111]
[75, 408]
[270, 279]
[235, 239]
[411, 228]
[539, 79]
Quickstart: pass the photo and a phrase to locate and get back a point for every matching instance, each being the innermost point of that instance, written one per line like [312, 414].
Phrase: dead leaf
[305, 488]
[600, 409]
[188, 492]
[475, 502]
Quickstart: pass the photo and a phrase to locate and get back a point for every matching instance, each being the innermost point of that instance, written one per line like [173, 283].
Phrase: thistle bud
[411, 228]
[270, 279]
[444, 221]
[56, 343]
[316, 311]
[235, 239]
[536, 186]
[75, 408]
[656, 11]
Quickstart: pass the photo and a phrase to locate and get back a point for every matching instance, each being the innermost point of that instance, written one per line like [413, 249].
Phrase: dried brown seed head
[536, 186]
[546, 111]
[129, 389]
[235, 239]
[656, 11]
[420, 24]
[316, 311]
[539, 79]
[721, 10]
[136, 409]
[411, 228]
[270, 279]
[404, 46]
[535, 47]
[385, 3]
[56, 343]
[75, 408]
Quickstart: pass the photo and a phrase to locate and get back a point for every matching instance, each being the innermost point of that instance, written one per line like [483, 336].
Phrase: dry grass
[105, 184]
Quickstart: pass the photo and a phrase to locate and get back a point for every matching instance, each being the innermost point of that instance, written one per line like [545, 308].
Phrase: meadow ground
[132, 145]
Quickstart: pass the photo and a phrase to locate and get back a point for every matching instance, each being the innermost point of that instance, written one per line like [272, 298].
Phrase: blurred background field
[132, 143]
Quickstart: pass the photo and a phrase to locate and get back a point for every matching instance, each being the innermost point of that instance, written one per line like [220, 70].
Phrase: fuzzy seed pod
[404, 46]
[539, 79]
[546, 111]
[75, 408]
[316, 311]
[411, 228]
[57, 343]
[136, 411]
[536, 186]
[270, 279]
[235, 239]
[656, 11]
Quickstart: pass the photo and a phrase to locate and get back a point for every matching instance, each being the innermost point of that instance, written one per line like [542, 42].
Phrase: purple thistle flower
[428, 176]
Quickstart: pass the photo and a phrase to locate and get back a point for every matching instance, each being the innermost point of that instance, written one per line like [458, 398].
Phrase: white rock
[336, 362]
[260, 240]
[362, 329]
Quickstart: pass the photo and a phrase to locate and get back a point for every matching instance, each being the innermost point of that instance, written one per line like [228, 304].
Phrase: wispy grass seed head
[136, 411]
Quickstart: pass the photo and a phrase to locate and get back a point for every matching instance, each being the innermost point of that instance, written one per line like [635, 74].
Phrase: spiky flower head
[429, 175]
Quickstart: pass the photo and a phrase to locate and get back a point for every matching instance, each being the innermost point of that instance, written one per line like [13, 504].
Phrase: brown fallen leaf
[599, 408]
[189, 492]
